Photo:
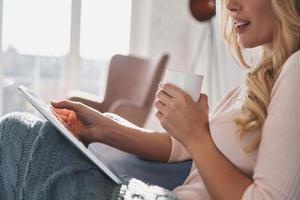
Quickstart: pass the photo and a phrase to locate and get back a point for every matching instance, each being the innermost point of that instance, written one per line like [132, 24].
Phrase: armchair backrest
[133, 81]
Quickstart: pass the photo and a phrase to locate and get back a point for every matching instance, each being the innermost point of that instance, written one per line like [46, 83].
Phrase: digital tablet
[44, 109]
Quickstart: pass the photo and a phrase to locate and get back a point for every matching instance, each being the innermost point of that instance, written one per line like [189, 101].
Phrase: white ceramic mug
[188, 82]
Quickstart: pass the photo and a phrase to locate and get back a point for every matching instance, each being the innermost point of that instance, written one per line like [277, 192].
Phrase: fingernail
[161, 85]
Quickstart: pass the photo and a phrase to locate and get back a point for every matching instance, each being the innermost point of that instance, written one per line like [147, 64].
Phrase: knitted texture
[36, 162]
[135, 189]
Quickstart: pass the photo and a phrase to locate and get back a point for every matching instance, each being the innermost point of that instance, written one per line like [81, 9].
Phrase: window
[105, 28]
[105, 31]
[37, 27]
[36, 45]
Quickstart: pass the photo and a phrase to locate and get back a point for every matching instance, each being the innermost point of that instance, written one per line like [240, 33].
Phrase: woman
[249, 147]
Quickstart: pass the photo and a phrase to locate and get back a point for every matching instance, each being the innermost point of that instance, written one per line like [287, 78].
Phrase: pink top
[275, 167]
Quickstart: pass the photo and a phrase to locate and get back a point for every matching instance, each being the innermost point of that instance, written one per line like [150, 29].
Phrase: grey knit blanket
[36, 162]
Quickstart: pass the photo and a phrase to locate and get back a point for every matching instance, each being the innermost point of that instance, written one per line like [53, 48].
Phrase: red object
[203, 10]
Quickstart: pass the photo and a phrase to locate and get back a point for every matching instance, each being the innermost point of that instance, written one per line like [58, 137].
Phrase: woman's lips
[241, 25]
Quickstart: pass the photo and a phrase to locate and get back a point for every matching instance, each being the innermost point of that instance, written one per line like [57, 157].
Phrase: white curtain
[193, 46]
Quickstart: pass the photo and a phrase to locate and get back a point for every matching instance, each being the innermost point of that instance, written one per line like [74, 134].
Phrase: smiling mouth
[239, 24]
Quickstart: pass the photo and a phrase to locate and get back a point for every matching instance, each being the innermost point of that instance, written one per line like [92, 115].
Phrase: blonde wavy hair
[260, 78]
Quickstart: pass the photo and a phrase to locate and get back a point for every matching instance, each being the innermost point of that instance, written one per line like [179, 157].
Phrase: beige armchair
[131, 86]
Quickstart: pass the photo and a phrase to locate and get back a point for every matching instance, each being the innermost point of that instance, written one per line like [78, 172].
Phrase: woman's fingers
[159, 106]
[204, 99]
[72, 118]
[63, 122]
[55, 113]
[163, 96]
[65, 114]
[63, 117]
[159, 115]
[67, 117]
[60, 111]
[172, 90]
[69, 125]
[67, 104]
[59, 115]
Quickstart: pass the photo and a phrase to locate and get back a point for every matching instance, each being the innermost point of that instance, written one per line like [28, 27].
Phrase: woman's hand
[87, 124]
[184, 119]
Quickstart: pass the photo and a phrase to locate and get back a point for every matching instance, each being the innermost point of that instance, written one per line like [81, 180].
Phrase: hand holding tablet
[75, 120]
[69, 119]
[84, 122]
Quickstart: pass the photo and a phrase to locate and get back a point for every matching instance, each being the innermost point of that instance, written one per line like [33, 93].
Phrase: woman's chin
[248, 45]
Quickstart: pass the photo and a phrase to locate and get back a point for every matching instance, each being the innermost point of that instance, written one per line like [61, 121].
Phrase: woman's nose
[233, 5]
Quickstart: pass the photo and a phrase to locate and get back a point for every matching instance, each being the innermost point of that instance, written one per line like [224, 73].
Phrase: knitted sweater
[275, 166]
[36, 162]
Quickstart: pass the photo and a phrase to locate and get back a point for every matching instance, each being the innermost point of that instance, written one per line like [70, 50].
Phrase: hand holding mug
[178, 111]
